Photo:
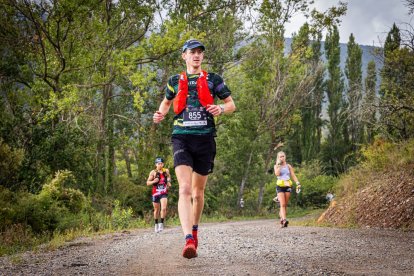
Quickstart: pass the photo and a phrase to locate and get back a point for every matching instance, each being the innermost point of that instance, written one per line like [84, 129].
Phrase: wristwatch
[222, 108]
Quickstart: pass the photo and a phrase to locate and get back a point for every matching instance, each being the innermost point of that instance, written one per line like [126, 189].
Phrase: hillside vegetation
[379, 192]
[80, 82]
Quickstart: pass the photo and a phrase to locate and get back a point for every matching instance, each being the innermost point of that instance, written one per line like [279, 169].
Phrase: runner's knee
[198, 196]
[185, 190]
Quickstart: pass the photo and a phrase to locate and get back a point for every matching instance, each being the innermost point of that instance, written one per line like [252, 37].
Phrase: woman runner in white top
[284, 173]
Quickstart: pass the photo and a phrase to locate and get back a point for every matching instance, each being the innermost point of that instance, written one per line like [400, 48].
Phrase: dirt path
[232, 248]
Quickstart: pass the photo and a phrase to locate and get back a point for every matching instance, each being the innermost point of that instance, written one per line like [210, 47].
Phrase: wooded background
[81, 79]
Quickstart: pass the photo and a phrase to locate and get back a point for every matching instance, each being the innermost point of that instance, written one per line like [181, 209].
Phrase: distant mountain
[368, 54]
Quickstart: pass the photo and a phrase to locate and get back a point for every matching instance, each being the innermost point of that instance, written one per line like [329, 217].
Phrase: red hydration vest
[204, 96]
[161, 187]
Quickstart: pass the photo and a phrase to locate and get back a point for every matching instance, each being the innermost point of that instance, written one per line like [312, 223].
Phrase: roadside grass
[18, 238]
[308, 218]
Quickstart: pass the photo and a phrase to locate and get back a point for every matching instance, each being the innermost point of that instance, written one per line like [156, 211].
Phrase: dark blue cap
[193, 43]
[159, 160]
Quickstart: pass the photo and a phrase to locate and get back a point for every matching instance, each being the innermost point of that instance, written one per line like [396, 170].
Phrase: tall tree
[306, 48]
[334, 145]
[353, 72]
[370, 109]
[397, 84]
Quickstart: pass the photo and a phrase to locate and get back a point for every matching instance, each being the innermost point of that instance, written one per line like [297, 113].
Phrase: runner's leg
[287, 196]
[198, 186]
[183, 173]
[156, 210]
[164, 202]
[282, 199]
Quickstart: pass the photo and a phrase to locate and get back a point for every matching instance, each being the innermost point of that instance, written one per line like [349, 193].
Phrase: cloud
[368, 20]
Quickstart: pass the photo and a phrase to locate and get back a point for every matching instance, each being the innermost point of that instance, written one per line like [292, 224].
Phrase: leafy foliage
[120, 218]
[80, 81]
[11, 160]
[396, 88]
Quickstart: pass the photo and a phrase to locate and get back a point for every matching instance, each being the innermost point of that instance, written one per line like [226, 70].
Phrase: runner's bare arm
[292, 173]
[168, 178]
[227, 107]
[151, 179]
[159, 115]
[277, 168]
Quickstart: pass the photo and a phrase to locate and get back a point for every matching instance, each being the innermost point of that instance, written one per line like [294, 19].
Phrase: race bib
[161, 188]
[195, 116]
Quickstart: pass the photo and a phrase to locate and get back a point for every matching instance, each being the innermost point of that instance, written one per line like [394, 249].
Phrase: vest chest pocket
[194, 116]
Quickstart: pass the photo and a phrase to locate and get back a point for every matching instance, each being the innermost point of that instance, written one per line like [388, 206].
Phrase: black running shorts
[283, 189]
[157, 198]
[196, 151]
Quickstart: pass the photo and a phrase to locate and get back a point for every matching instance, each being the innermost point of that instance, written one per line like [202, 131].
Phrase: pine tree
[369, 108]
[308, 130]
[397, 100]
[334, 146]
[353, 72]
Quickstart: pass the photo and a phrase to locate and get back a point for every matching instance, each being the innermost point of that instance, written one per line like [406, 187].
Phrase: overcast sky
[368, 20]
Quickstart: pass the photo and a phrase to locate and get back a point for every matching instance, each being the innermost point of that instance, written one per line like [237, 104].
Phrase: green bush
[72, 199]
[10, 162]
[314, 191]
[121, 218]
[138, 197]
[98, 221]
[42, 214]
[8, 201]
[58, 210]
[53, 208]
[72, 221]
[383, 154]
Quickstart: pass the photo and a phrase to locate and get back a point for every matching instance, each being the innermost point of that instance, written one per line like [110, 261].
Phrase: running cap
[193, 43]
[159, 160]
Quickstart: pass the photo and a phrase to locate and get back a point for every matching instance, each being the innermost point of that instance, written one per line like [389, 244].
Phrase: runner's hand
[215, 110]
[156, 180]
[158, 117]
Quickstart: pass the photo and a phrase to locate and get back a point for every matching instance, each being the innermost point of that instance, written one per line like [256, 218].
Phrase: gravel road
[233, 248]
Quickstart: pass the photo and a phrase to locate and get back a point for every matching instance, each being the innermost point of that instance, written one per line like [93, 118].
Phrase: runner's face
[282, 158]
[193, 57]
[159, 165]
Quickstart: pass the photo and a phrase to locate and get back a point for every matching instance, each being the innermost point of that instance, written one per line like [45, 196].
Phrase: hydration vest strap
[204, 96]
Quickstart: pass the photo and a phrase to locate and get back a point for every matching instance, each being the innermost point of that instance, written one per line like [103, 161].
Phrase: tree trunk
[110, 153]
[262, 184]
[127, 162]
[136, 157]
[244, 179]
[100, 166]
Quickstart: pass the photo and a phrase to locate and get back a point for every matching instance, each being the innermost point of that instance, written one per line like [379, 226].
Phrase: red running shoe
[189, 250]
[195, 232]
